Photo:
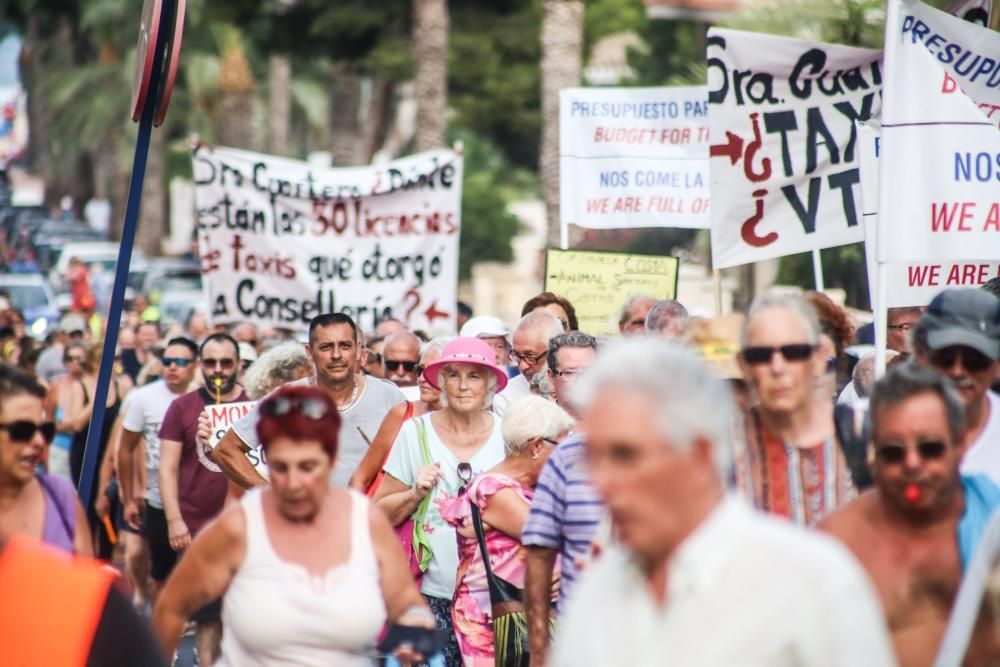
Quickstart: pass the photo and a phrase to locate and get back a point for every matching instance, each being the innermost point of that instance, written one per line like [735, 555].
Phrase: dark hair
[569, 339]
[186, 342]
[295, 424]
[220, 337]
[150, 323]
[992, 286]
[906, 380]
[464, 309]
[329, 319]
[15, 382]
[547, 299]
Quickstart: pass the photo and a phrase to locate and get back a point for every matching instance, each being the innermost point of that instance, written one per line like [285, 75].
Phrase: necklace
[350, 402]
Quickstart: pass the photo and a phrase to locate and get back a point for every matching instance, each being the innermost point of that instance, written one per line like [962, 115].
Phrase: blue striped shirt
[565, 511]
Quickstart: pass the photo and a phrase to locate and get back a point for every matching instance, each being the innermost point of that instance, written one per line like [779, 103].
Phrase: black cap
[967, 317]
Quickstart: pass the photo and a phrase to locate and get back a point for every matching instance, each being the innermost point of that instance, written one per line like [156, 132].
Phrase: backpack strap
[61, 502]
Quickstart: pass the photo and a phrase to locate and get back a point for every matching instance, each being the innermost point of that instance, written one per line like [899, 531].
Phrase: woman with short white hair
[532, 426]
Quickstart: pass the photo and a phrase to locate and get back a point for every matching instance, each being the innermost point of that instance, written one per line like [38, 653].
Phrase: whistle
[912, 493]
[218, 389]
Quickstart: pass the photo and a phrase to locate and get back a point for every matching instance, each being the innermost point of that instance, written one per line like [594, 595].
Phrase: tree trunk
[39, 114]
[234, 123]
[279, 103]
[152, 223]
[562, 55]
[376, 121]
[430, 49]
[344, 125]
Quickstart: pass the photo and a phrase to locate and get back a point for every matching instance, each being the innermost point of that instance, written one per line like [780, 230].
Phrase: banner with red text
[940, 157]
[784, 160]
[634, 157]
[282, 241]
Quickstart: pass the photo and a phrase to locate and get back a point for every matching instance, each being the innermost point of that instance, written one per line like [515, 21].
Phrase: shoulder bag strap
[421, 542]
[501, 590]
[47, 490]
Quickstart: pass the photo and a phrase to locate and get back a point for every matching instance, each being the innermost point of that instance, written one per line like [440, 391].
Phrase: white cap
[484, 326]
[247, 352]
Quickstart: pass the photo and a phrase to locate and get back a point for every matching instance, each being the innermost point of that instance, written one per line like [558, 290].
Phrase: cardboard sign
[282, 242]
[634, 157]
[784, 162]
[222, 417]
[598, 283]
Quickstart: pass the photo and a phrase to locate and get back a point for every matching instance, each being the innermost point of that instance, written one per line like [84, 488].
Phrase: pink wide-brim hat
[466, 351]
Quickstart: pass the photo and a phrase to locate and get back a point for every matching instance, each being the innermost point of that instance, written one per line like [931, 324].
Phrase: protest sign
[940, 163]
[598, 283]
[634, 157]
[783, 157]
[282, 241]
[222, 416]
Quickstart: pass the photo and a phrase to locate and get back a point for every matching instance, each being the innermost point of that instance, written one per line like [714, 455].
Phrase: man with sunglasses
[917, 530]
[531, 349]
[958, 336]
[400, 357]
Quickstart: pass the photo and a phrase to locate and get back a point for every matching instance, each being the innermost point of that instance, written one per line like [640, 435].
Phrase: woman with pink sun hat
[435, 456]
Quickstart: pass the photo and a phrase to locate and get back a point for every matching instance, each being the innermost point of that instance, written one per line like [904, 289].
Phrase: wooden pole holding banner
[818, 271]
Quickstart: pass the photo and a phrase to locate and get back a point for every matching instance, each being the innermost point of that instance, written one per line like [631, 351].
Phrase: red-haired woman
[308, 573]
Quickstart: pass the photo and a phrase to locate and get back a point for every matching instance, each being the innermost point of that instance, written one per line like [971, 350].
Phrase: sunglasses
[930, 450]
[762, 354]
[180, 362]
[550, 441]
[972, 360]
[393, 365]
[527, 357]
[464, 471]
[224, 364]
[24, 431]
[310, 408]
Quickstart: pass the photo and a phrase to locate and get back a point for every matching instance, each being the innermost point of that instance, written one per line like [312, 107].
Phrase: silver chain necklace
[350, 402]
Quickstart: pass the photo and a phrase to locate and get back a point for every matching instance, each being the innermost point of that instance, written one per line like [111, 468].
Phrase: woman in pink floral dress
[531, 427]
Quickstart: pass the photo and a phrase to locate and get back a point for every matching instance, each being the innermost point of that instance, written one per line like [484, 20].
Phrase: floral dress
[471, 604]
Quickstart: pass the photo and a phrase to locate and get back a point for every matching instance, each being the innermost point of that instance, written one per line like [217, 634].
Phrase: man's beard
[227, 385]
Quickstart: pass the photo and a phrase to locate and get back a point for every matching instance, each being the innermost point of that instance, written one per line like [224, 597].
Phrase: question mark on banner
[749, 229]
[752, 148]
[416, 302]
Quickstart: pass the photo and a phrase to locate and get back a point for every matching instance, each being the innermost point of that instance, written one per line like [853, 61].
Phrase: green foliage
[609, 17]
[843, 267]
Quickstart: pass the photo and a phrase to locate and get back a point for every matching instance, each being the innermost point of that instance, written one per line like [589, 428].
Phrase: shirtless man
[904, 530]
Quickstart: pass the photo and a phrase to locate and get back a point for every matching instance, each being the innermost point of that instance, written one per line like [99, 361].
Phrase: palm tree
[430, 50]
[344, 126]
[279, 105]
[562, 54]
[234, 122]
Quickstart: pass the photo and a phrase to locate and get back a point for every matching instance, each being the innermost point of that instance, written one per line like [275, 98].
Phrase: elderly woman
[435, 455]
[34, 504]
[368, 475]
[275, 368]
[308, 574]
[531, 428]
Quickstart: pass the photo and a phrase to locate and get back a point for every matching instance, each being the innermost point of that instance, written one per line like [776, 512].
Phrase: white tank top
[277, 613]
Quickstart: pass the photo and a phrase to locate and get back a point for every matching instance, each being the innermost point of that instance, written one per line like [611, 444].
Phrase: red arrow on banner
[733, 148]
[432, 313]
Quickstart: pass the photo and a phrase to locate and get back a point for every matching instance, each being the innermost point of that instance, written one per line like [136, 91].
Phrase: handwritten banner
[222, 417]
[598, 283]
[282, 242]
[634, 157]
[784, 162]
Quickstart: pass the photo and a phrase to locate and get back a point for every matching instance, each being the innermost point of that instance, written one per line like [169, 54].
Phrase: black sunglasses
[180, 362]
[224, 364]
[310, 408]
[762, 354]
[930, 450]
[393, 365]
[24, 431]
[973, 361]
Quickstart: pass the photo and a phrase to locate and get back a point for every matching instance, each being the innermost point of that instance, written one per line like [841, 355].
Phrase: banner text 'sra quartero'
[598, 283]
[634, 157]
[282, 242]
[784, 160]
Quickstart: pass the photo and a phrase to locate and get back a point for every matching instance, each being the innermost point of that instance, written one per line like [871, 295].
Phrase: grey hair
[275, 367]
[792, 303]
[687, 400]
[532, 417]
[539, 382]
[863, 375]
[491, 386]
[631, 301]
[904, 381]
[435, 345]
[539, 320]
[570, 339]
[664, 313]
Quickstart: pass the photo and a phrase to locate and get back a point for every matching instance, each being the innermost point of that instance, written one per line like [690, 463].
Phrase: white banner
[282, 242]
[940, 164]
[784, 159]
[634, 157]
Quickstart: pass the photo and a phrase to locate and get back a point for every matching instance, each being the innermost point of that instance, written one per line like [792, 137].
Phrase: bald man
[531, 347]
[400, 357]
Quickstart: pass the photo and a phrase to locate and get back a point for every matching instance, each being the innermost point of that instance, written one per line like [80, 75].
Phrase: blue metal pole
[90, 462]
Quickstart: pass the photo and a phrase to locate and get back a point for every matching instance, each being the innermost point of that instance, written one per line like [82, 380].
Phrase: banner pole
[818, 271]
[881, 321]
[564, 235]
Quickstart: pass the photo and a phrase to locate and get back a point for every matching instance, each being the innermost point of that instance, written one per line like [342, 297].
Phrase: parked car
[31, 294]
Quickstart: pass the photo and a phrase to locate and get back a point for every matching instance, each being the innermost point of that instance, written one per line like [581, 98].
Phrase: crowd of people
[701, 492]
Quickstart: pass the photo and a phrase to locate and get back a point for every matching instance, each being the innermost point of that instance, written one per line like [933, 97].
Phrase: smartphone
[426, 641]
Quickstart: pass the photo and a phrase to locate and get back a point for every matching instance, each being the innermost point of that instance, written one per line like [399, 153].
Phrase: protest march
[370, 356]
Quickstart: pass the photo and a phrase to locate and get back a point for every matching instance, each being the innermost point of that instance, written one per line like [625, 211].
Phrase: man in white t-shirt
[363, 402]
[958, 336]
[531, 348]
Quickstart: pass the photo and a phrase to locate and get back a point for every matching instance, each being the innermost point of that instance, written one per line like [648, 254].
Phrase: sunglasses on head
[393, 365]
[224, 364]
[930, 450]
[762, 354]
[180, 362]
[24, 431]
[310, 408]
[972, 360]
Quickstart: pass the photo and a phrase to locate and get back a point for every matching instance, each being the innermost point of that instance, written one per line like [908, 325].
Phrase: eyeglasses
[393, 365]
[24, 430]
[929, 450]
[762, 354]
[571, 373]
[224, 364]
[464, 471]
[527, 357]
[905, 326]
[550, 441]
[310, 408]
[180, 362]
[973, 361]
